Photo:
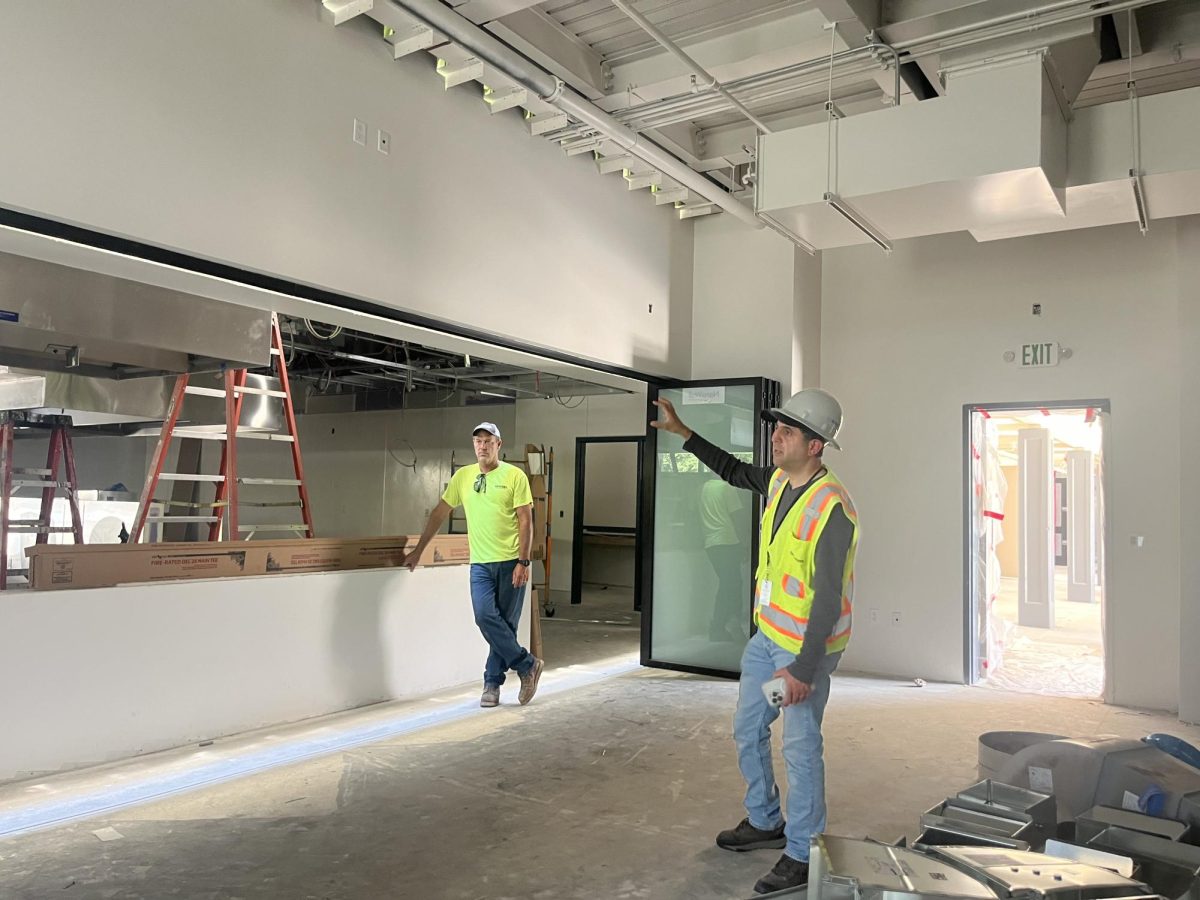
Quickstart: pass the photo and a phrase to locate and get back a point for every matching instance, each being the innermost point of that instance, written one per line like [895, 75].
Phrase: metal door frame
[581, 444]
[970, 601]
[767, 396]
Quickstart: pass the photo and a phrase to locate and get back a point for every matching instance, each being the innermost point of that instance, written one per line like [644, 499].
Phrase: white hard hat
[816, 410]
[489, 427]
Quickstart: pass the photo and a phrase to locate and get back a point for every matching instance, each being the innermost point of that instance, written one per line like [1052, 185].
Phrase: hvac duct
[58, 318]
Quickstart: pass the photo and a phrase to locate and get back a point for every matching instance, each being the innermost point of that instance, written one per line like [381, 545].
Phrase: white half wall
[245, 155]
[908, 340]
[109, 673]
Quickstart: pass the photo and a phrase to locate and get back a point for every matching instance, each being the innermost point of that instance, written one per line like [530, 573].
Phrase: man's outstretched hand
[670, 421]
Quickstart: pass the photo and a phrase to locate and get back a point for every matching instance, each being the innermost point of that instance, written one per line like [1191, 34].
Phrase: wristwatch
[523, 562]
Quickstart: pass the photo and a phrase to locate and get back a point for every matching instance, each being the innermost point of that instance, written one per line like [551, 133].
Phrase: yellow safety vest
[787, 563]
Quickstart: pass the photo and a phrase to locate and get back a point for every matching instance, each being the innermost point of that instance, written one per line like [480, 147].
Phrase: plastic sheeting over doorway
[1035, 534]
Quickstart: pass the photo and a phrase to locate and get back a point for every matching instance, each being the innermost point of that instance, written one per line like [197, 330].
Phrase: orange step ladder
[224, 509]
[47, 480]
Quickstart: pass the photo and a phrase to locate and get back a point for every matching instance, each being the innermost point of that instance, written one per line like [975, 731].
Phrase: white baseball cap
[489, 427]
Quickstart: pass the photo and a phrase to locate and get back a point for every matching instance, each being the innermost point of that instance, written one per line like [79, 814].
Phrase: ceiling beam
[544, 41]
[758, 47]
[483, 11]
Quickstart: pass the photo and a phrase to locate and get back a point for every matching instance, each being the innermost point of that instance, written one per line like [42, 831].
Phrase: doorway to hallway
[1035, 540]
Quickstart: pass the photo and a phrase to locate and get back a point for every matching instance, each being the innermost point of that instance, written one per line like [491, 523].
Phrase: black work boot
[788, 873]
[746, 837]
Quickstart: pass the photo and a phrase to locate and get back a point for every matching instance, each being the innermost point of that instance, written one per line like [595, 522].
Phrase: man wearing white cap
[803, 592]
[499, 506]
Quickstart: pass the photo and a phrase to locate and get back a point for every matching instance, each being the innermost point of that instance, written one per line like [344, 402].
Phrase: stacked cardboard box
[61, 566]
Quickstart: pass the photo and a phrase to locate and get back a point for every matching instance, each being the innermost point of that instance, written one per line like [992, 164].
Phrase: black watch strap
[523, 562]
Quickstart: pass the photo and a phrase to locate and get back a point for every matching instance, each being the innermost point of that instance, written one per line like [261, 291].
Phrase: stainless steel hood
[60, 319]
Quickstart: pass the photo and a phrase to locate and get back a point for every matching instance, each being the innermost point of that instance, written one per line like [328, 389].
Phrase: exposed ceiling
[773, 56]
[336, 369]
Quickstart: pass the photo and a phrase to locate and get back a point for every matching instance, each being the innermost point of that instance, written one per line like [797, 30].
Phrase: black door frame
[767, 396]
[581, 445]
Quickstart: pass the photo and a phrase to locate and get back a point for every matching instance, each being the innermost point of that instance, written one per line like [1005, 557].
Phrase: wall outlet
[383, 143]
[873, 616]
[360, 132]
[896, 617]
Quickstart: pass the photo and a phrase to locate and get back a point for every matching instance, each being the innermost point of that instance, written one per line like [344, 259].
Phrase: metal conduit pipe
[768, 84]
[484, 46]
[710, 80]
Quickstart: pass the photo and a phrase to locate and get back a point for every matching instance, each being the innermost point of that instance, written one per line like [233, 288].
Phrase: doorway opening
[606, 556]
[1035, 547]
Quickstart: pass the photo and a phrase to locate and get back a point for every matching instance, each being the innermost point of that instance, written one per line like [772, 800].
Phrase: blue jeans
[497, 607]
[802, 746]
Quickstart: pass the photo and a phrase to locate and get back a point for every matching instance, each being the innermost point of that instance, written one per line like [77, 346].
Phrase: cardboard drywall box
[61, 566]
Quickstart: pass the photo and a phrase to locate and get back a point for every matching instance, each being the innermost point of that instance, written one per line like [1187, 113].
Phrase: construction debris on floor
[1113, 819]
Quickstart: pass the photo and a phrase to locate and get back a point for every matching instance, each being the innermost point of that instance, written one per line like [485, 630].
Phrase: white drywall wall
[245, 155]
[907, 340]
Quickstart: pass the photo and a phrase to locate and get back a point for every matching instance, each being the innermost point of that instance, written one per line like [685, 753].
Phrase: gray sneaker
[491, 695]
[529, 681]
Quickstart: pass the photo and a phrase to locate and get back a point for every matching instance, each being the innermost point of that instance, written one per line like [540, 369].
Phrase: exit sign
[1038, 355]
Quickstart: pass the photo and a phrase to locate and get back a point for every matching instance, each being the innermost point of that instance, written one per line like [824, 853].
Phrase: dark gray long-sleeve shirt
[832, 547]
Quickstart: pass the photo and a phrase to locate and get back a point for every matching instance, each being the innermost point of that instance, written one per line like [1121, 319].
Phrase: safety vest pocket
[792, 586]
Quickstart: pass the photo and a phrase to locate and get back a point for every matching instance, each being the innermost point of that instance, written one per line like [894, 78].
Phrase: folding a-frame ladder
[47, 480]
[225, 505]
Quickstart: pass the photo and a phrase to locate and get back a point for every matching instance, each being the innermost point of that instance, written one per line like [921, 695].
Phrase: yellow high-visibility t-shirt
[492, 529]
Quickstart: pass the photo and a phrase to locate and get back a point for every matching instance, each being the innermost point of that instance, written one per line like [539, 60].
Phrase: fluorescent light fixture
[855, 218]
[495, 394]
[1139, 200]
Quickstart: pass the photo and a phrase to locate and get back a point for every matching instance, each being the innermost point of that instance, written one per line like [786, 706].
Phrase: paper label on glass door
[764, 592]
[697, 395]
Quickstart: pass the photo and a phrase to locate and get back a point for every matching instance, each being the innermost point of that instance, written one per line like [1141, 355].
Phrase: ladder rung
[219, 392]
[45, 472]
[12, 522]
[246, 529]
[34, 482]
[169, 519]
[275, 351]
[266, 436]
[41, 529]
[289, 482]
[187, 504]
[261, 392]
[220, 435]
[281, 505]
[184, 476]
[24, 571]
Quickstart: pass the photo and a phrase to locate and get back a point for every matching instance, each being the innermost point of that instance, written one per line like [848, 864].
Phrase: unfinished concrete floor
[610, 789]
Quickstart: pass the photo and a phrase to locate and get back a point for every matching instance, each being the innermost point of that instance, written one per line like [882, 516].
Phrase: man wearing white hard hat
[803, 592]
[496, 498]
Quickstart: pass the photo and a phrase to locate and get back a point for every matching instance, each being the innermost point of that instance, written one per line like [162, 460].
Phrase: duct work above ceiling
[838, 122]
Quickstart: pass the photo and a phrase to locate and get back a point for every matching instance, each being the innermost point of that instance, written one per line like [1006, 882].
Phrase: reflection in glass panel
[702, 536]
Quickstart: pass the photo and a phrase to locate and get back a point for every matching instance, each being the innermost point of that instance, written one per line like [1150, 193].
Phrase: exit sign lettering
[1034, 356]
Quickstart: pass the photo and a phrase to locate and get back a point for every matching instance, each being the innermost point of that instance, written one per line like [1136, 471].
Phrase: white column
[1081, 526]
[1035, 605]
